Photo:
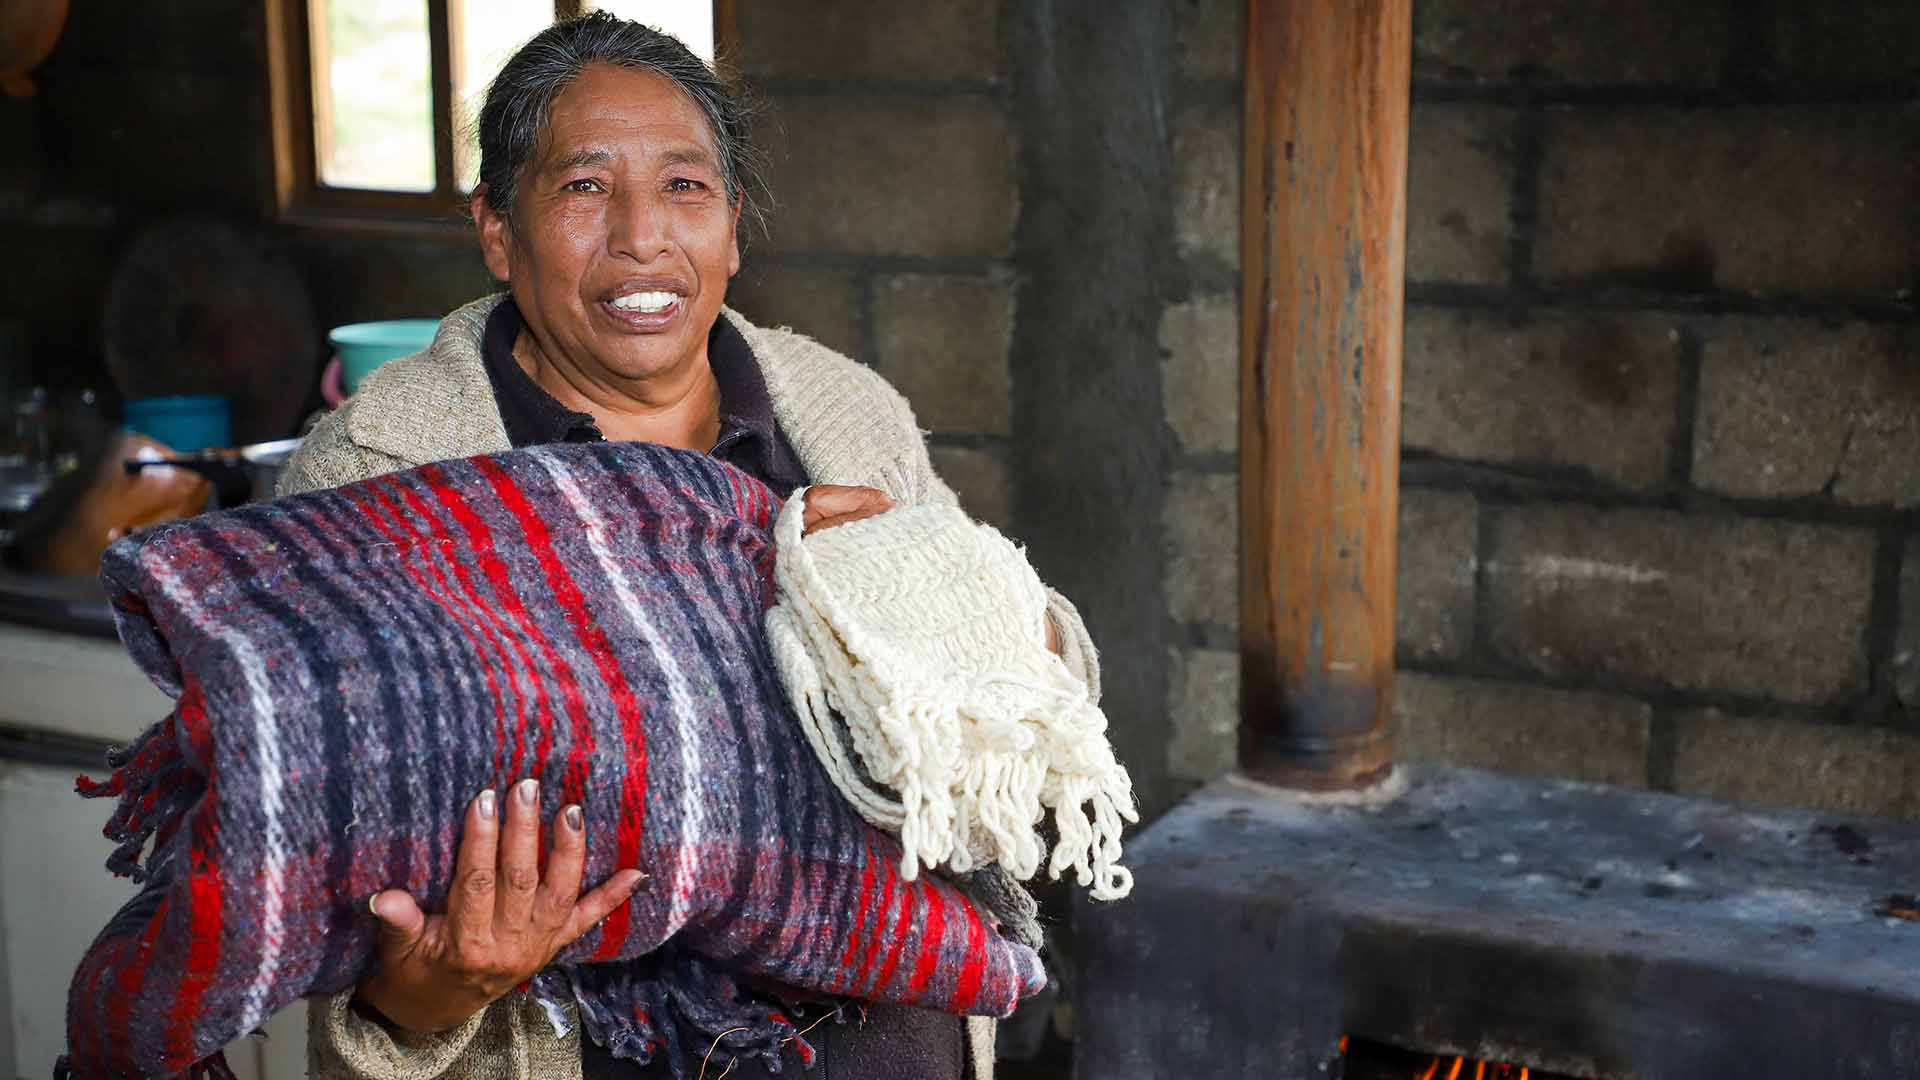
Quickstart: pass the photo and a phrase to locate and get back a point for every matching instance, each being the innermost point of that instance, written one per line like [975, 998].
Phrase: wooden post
[1322, 235]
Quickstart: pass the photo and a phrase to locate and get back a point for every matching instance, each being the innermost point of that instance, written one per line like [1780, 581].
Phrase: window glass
[692, 23]
[484, 33]
[372, 94]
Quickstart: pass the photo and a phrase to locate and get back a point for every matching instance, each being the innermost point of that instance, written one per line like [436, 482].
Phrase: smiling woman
[614, 179]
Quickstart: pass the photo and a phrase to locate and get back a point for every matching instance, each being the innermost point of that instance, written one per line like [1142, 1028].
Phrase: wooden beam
[1322, 257]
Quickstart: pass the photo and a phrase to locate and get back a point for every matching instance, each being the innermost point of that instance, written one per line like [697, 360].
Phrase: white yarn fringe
[924, 634]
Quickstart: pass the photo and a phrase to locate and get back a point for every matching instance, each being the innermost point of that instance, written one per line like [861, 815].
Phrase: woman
[613, 179]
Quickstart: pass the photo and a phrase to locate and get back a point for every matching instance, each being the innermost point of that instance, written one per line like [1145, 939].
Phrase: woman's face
[622, 239]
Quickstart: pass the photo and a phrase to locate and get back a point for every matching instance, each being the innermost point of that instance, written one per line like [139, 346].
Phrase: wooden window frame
[298, 196]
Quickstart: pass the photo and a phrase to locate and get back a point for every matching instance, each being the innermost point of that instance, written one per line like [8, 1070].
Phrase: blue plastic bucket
[188, 424]
[365, 346]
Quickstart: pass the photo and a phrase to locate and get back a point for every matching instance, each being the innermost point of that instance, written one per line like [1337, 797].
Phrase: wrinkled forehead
[637, 114]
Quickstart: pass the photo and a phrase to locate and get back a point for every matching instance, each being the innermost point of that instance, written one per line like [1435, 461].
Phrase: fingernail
[486, 804]
[527, 791]
[370, 907]
[575, 819]
[635, 879]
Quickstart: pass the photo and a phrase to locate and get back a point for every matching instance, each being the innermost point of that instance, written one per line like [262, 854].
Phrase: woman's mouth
[645, 309]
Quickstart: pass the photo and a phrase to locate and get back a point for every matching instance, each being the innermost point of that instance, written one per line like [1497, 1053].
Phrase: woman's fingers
[519, 858]
[600, 902]
[835, 504]
[401, 924]
[470, 906]
[565, 865]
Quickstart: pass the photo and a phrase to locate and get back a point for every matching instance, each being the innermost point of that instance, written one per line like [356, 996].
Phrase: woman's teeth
[645, 301]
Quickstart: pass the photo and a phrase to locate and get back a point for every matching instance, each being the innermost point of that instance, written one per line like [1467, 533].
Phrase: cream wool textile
[924, 634]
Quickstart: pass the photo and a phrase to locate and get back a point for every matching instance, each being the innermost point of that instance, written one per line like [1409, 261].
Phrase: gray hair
[519, 103]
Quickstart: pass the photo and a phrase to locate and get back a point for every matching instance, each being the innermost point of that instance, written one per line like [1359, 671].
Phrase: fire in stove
[1361, 1059]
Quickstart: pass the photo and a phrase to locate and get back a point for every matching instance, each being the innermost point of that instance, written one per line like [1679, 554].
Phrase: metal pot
[244, 474]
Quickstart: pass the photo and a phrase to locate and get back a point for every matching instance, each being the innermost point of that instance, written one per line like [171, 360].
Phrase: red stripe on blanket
[203, 955]
[860, 917]
[901, 928]
[128, 980]
[931, 939]
[974, 967]
[495, 571]
[484, 643]
[573, 603]
[574, 606]
[884, 900]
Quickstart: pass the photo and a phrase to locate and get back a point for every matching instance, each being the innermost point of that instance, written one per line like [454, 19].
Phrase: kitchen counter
[71, 605]
[63, 672]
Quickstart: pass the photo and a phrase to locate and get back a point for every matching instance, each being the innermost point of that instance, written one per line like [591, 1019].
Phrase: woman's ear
[495, 234]
[733, 241]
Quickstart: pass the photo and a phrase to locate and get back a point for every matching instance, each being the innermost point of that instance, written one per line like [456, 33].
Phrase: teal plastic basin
[365, 346]
[187, 424]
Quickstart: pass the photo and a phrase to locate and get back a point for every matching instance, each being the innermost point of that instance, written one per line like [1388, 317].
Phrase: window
[373, 100]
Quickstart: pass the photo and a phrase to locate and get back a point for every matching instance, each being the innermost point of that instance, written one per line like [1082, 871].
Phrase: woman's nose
[638, 227]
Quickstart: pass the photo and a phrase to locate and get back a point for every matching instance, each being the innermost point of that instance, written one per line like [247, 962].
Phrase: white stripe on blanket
[691, 811]
[254, 1008]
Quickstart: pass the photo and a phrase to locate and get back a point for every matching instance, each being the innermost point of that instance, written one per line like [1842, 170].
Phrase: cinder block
[1206, 184]
[1791, 408]
[1779, 762]
[981, 479]
[1201, 386]
[1596, 392]
[1434, 605]
[1459, 194]
[1202, 531]
[822, 304]
[1800, 201]
[1520, 729]
[1619, 41]
[1660, 599]
[1862, 43]
[1906, 650]
[943, 340]
[891, 175]
[1203, 702]
[1212, 38]
[930, 41]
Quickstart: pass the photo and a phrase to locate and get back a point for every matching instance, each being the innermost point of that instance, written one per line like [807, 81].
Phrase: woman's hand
[504, 921]
[836, 504]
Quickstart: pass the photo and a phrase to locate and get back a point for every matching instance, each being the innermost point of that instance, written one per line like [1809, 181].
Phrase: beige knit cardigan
[847, 426]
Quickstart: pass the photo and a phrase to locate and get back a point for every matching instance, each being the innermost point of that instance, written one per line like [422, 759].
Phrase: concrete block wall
[1661, 418]
[893, 171]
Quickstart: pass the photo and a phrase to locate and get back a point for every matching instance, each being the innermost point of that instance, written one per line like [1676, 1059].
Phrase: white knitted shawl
[915, 642]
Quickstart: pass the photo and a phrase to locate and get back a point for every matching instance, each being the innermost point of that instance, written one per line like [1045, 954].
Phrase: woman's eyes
[676, 185]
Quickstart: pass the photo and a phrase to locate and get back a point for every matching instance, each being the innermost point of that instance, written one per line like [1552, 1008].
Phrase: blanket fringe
[156, 788]
[675, 1003]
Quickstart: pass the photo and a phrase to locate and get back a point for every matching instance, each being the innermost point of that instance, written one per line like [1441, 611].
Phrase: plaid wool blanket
[351, 666]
